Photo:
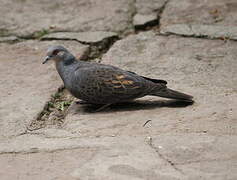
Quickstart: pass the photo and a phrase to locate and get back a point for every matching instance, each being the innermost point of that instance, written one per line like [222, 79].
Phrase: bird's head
[57, 53]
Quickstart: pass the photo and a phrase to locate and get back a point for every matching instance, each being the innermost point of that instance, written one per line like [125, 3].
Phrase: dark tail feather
[169, 93]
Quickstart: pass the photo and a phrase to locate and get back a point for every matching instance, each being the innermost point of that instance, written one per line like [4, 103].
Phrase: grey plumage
[104, 84]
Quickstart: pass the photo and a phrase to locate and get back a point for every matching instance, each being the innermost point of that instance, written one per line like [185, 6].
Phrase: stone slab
[147, 11]
[140, 19]
[55, 165]
[215, 19]
[24, 18]
[8, 39]
[87, 37]
[95, 158]
[26, 84]
[196, 30]
[201, 155]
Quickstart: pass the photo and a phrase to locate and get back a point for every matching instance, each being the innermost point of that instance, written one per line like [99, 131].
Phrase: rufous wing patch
[120, 81]
[116, 82]
[124, 81]
[127, 82]
[120, 77]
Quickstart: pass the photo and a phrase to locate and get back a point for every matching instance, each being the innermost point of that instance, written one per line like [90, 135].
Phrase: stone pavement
[189, 43]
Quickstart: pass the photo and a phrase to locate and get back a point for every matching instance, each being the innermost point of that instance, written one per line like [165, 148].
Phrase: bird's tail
[172, 94]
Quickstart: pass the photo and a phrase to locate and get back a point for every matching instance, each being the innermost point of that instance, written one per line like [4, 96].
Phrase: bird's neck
[65, 70]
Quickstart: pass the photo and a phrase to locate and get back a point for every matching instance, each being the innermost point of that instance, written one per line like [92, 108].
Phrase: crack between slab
[36, 35]
[153, 23]
[172, 164]
[225, 39]
[207, 160]
[36, 150]
[54, 111]
[129, 29]
[96, 49]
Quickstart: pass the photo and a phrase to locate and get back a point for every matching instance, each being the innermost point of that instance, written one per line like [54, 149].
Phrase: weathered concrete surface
[55, 165]
[147, 12]
[200, 156]
[8, 39]
[24, 18]
[26, 84]
[90, 158]
[201, 18]
[203, 131]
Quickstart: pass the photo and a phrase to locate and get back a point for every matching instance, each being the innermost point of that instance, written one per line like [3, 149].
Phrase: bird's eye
[55, 52]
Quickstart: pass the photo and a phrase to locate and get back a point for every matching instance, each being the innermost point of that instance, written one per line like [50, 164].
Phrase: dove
[97, 83]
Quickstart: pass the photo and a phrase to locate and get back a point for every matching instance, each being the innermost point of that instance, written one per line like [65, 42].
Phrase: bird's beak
[46, 59]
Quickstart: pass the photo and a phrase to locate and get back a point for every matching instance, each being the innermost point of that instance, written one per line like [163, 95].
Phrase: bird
[102, 84]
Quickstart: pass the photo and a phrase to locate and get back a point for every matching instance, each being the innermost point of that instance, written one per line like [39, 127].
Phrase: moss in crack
[4, 32]
[54, 111]
[41, 33]
[36, 34]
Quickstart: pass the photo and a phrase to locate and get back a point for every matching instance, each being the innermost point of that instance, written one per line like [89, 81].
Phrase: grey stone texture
[147, 11]
[8, 39]
[24, 17]
[214, 19]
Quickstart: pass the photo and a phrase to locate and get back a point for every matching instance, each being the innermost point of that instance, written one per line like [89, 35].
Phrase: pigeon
[97, 83]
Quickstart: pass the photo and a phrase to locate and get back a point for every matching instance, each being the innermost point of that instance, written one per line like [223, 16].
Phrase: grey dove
[97, 83]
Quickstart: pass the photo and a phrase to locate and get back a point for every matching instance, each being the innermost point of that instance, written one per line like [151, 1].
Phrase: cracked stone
[143, 19]
[211, 31]
[24, 18]
[87, 37]
[147, 12]
[215, 19]
[38, 166]
[99, 41]
[80, 157]
[122, 161]
[27, 84]
[44, 141]
[200, 154]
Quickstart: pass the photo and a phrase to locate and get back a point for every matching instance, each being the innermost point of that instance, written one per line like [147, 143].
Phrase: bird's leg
[102, 107]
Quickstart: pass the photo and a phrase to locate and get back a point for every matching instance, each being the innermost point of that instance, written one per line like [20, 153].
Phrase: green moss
[39, 34]
[64, 105]
[4, 32]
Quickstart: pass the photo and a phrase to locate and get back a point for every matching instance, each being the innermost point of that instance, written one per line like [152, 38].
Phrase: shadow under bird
[97, 83]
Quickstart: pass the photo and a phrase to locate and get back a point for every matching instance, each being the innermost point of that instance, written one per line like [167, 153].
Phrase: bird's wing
[120, 82]
[112, 82]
